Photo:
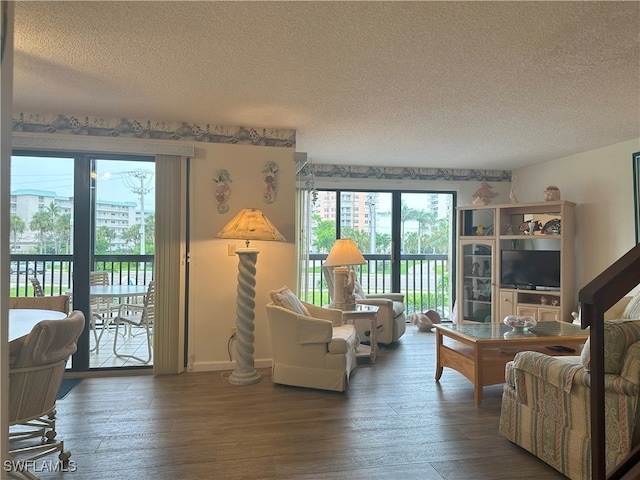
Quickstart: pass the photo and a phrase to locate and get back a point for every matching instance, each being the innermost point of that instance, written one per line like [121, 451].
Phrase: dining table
[115, 291]
[22, 320]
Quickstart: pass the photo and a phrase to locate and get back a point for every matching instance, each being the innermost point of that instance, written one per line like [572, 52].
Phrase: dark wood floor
[394, 423]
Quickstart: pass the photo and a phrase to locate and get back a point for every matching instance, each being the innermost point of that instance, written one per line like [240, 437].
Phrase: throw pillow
[585, 355]
[632, 310]
[285, 298]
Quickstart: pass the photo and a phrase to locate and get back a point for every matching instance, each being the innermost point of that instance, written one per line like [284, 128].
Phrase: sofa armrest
[385, 306]
[558, 371]
[313, 330]
[620, 386]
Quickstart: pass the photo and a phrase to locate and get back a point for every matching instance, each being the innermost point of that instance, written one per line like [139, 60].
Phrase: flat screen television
[530, 269]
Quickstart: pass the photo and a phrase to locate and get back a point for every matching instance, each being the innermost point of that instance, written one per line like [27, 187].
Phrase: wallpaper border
[152, 130]
[408, 173]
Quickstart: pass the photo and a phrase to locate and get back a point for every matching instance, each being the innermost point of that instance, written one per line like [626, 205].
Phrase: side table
[369, 312]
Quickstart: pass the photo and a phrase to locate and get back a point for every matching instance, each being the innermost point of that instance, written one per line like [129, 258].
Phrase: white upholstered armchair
[391, 311]
[310, 345]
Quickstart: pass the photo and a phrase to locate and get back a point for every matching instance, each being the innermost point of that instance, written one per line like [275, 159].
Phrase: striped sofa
[546, 402]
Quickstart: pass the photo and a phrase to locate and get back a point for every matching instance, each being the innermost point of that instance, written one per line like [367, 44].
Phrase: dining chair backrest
[59, 303]
[99, 278]
[38, 368]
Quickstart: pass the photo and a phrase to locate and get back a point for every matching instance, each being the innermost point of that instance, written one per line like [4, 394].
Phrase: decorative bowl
[520, 323]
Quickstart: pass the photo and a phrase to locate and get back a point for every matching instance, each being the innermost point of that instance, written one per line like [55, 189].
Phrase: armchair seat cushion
[343, 339]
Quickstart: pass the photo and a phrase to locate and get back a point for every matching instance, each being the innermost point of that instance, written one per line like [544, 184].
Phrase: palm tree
[407, 214]
[426, 222]
[131, 237]
[63, 232]
[104, 239]
[42, 223]
[18, 226]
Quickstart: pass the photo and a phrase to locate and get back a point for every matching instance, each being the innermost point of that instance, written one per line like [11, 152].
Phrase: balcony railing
[424, 280]
[55, 272]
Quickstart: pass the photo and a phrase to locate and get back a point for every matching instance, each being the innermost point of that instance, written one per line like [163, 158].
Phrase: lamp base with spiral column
[245, 372]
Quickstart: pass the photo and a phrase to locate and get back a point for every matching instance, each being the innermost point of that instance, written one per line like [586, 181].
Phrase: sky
[56, 174]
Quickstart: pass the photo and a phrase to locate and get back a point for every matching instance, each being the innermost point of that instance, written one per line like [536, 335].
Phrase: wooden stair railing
[596, 298]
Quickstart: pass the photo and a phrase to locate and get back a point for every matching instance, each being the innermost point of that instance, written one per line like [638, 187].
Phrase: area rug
[67, 385]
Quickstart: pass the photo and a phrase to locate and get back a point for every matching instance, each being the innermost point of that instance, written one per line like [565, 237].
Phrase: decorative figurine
[528, 228]
[512, 194]
[552, 227]
[223, 190]
[270, 178]
[484, 194]
[475, 269]
[551, 193]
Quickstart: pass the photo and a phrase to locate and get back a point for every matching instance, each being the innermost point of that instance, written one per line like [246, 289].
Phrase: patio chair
[36, 368]
[102, 308]
[37, 287]
[137, 315]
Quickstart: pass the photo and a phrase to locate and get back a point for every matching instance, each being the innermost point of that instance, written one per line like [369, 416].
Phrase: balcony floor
[128, 345]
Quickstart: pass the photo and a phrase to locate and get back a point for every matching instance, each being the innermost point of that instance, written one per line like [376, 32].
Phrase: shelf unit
[484, 231]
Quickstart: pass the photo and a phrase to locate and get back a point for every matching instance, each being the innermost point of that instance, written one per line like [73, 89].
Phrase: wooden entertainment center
[542, 234]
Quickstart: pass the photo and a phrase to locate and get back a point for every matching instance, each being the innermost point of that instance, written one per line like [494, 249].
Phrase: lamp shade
[250, 224]
[344, 252]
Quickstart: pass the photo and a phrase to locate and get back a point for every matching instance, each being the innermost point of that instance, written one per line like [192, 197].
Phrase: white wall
[600, 182]
[213, 274]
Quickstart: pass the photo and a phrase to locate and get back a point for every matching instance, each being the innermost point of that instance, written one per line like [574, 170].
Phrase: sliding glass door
[406, 238]
[74, 214]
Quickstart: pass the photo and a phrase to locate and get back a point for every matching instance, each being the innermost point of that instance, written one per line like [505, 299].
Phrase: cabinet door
[528, 311]
[548, 314]
[507, 304]
[476, 284]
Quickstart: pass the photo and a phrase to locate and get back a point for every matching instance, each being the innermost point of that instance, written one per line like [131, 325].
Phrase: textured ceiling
[493, 85]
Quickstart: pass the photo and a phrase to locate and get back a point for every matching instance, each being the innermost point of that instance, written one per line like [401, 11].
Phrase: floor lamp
[343, 253]
[249, 224]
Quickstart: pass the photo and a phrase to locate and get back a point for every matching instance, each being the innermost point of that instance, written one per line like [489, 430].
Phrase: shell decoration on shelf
[552, 227]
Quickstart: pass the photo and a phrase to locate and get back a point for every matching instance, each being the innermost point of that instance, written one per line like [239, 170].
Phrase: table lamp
[343, 254]
[249, 224]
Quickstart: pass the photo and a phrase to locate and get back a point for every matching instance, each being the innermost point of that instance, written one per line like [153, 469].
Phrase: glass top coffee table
[481, 351]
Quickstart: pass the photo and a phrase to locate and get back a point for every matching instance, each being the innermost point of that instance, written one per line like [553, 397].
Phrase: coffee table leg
[477, 384]
[477, 394]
